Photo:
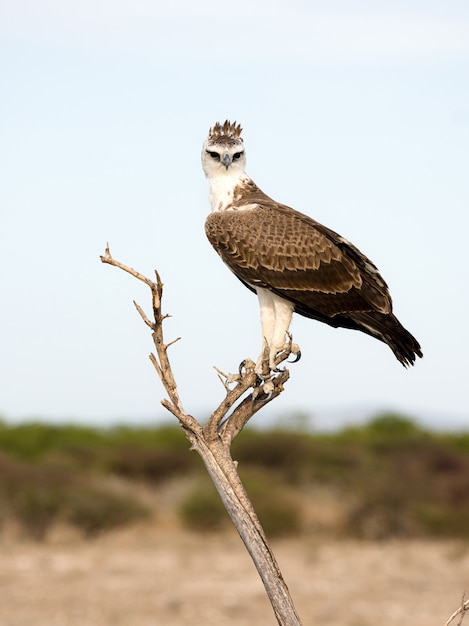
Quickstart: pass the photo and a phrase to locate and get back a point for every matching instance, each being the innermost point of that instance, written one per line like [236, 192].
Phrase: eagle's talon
[297, 356]
[263, 388]
[247, 365]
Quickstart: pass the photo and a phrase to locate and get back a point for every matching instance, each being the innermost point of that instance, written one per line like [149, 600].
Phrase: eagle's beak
[226, 160]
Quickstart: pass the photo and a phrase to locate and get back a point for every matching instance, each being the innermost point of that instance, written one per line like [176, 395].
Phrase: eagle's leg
[263, 368]
[276, 314]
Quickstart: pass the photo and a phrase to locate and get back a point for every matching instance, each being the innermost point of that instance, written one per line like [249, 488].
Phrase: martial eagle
[292, 262]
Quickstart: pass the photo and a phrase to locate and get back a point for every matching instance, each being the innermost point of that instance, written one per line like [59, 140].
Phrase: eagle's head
[223, 150]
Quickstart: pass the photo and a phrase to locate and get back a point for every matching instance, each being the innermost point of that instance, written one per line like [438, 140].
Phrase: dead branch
[461, 611]
[213, 441]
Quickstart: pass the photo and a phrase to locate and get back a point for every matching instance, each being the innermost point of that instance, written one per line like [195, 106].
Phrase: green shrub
[31, 441]
[36, 509]
[149, 464]
[275, 449]
[284, 453]
[276, 507]
[436, 521]
[38, 496]
[390, 477]
[278, 512]
[31, 495]
[202, 509]
[93, 509]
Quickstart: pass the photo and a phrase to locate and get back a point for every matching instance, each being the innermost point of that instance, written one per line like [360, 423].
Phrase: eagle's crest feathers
[228, 130]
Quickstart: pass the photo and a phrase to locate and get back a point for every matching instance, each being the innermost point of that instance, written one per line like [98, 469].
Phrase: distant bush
[385, 430]
[276, 449]
[418, 488]
[298, 457]
[277, 509]
[275, 504]
[390, 425]
[148, 464]
[282, 452]
[94, 509]
[438, 522]
[31, 441]
[31, 495]
[201, 509]
[34, 441]
[39, 496]
[389, 478]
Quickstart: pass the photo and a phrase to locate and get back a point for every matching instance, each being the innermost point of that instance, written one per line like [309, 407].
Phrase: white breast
[222, 189]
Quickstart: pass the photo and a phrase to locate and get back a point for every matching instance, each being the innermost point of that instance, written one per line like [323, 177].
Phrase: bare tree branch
[461, 611]
[213, 442]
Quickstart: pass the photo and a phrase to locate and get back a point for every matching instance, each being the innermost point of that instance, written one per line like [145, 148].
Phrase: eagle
[293, 263]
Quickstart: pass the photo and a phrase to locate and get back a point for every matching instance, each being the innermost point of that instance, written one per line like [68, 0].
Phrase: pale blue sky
[355, 113]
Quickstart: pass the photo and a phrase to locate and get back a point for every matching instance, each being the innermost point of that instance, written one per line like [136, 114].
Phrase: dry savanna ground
[148, 576]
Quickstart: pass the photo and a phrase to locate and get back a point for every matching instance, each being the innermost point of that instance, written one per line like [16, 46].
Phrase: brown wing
[275, 247]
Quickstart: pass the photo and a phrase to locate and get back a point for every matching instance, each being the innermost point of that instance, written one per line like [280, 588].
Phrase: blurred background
[385, 480]
[357, 115]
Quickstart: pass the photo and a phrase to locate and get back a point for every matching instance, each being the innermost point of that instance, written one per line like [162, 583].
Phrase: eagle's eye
[237, 155]
[214, 155]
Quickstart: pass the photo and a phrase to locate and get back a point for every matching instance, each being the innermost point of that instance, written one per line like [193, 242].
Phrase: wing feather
[278, 248]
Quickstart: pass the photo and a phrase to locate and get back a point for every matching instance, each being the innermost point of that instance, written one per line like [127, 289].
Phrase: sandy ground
[148, 577]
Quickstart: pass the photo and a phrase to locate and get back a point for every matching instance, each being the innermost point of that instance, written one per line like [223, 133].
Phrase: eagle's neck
[226, 189]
